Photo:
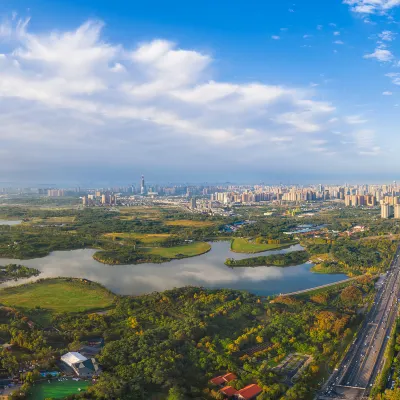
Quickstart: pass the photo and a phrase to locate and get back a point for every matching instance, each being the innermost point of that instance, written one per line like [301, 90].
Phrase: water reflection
[207, 270]
[7, 222]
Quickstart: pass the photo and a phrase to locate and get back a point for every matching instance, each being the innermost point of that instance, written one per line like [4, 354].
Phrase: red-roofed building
[249, 392]
[228, 391]
[222, 380]
[217, 381]
[229, 377]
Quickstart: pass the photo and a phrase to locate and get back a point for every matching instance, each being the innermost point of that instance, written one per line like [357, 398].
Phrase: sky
[239, 91]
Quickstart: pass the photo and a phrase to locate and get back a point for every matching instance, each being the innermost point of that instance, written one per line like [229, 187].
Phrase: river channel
[207, 270]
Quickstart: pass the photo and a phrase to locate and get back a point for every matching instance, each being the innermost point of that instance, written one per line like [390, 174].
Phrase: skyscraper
[386, 211]
[142, 186]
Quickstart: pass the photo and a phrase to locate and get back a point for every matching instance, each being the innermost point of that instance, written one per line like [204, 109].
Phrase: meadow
[56, 389]
[243, 245]
[188, 250]
[58, 295]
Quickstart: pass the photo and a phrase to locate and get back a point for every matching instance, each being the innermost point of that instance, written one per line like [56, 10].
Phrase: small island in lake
[278, 260]
[16, 271]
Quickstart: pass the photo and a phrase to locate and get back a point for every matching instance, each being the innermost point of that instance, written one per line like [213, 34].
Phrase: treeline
[279, 260]
[39, 242]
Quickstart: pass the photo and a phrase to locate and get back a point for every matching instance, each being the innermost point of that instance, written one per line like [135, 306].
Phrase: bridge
[320, 287]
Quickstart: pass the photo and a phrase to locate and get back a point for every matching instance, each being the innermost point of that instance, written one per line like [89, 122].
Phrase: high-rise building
[193, 204]
[84, 201]
[397, 211]
[55, 192]
[142, 186]
[386, 211]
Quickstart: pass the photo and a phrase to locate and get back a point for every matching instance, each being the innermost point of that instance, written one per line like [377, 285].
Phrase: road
[363, 362]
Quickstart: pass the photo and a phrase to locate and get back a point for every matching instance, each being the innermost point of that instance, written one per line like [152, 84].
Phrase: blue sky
[102, 91]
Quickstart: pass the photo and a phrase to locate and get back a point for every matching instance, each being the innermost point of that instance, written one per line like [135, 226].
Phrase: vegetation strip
[279, 260]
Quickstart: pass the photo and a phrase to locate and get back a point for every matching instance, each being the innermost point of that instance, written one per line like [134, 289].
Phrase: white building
[81, 365]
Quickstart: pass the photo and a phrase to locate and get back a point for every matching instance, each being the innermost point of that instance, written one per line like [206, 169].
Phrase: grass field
[145, 238]
[189, 250]
[243, 245]
[140, 210]
[56, 390]
[58, 295]
[52, 220]
[189, 223]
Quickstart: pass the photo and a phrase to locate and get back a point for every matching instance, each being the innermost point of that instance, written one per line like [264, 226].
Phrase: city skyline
[280, 92]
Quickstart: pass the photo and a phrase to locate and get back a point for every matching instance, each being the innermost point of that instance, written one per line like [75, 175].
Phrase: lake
[207, 270]
[7, 222]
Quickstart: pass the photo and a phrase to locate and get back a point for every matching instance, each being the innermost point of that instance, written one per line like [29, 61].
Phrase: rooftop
[228, 391]
[73, 357]
[249, 391]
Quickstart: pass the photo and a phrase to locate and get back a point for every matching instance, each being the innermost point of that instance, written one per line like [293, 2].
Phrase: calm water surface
[207, 270]
[6, 222]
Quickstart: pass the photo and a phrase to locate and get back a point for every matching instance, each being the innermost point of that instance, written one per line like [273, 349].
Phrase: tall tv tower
[142, 186]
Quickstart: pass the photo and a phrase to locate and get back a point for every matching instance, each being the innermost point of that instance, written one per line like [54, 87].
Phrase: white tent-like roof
[73, 357]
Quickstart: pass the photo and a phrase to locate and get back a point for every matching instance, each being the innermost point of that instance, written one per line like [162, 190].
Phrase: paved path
[320, 287]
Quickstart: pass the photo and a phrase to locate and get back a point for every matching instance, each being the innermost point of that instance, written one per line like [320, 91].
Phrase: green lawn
[188, 250]
[58, 295]
[56, 389]
[188, 223]
[243, 245]
[145, 238]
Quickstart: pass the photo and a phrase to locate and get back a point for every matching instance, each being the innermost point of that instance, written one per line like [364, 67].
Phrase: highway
[355, 376]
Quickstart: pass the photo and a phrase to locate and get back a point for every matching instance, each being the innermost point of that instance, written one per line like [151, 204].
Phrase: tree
[351, 295]
[175, 393]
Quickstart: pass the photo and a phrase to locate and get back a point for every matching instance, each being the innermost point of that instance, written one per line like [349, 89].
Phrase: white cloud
[281, 139]
[387, 36]
[74, 96]
[306, 36]
[355, 119]
[275, 37]
[365, 141]
[387, 93]
[368, 21]
[382, 55]
[336, 33]
[338, 42]
[320, 27]
[371, 6]
[395, 77]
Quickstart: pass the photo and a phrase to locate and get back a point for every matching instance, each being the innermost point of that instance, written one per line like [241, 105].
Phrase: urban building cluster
[219, 198]
[359, 200]
[390, 211]
[100, 198]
